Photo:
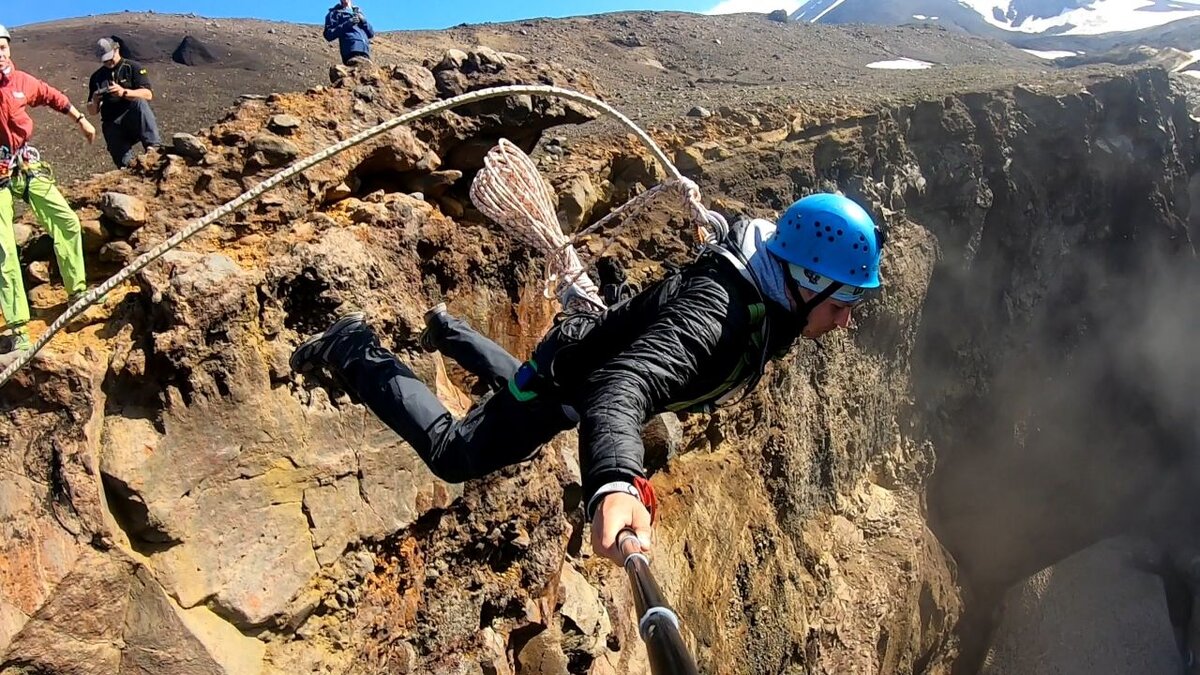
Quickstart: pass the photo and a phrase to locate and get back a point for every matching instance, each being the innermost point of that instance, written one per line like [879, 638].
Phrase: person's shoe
[17, 341]
[314, 352]
[433, 317]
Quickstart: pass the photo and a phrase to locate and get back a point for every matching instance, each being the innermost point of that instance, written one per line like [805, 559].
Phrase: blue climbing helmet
[827, 239]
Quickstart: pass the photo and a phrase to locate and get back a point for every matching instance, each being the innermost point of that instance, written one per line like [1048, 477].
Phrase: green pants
[53, 213]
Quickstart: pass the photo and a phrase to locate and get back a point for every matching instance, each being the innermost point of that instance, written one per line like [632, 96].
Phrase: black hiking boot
[433, 322]
[316, 351]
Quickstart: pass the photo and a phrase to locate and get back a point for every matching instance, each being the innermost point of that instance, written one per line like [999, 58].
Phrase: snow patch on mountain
[1101, 16]
[904, 63]
[1050, 53]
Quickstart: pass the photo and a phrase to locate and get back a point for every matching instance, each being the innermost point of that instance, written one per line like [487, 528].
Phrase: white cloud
[763, 6]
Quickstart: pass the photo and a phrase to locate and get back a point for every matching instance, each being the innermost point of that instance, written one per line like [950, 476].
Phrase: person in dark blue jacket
[350, 28]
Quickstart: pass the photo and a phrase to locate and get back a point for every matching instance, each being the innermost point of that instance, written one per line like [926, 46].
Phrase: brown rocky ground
[176, 501]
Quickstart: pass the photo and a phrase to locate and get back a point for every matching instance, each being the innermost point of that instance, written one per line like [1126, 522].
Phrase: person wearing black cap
[120, 92]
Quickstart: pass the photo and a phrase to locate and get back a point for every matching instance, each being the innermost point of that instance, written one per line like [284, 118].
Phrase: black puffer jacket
[674, 342]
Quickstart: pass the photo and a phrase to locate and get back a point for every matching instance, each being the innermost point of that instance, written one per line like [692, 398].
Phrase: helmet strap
[817, 299]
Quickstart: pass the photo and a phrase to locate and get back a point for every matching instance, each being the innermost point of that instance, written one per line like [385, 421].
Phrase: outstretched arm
[45, 95]
[621, 395]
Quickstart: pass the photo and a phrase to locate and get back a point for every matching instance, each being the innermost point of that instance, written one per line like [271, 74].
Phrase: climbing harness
[21, 167]
[678, 181]
[657, 624]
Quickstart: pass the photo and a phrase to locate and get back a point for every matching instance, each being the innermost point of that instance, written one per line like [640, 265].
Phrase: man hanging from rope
[687, 342]
[24, 174]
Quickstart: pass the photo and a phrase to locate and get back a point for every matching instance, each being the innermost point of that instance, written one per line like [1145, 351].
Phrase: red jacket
[19, 91]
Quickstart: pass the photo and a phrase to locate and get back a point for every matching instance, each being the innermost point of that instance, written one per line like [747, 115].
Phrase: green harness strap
[750, 358]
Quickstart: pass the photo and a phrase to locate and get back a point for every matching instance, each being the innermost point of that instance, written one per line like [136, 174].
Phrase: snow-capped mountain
[986, 17]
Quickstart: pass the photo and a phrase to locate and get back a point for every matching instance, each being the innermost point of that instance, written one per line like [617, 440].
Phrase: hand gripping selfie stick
[658, 623]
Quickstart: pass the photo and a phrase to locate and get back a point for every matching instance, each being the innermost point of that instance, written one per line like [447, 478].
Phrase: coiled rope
[138, 264]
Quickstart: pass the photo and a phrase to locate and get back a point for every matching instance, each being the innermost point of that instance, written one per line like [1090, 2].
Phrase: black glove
[613, 284]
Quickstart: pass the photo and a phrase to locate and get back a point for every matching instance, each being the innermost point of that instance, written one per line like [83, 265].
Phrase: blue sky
[384, 14]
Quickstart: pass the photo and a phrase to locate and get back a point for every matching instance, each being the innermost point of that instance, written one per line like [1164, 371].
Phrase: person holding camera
[350, 28]
[120, 92]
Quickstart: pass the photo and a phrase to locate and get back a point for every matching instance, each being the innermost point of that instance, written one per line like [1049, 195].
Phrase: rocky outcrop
[1103, 610]
[234, 517]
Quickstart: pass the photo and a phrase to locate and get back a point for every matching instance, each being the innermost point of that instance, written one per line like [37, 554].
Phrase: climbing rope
[511, 192]
[254, 193]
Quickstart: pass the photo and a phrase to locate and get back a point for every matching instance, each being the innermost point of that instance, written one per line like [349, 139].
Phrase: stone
[244, 554]
[38, 272]
[119, 252]
[365, 92]
[779, 15]
[689, 160]
[36, 557]
[125, 210]
[189, 147]
[581, 604]
[276, 151]
[699, 111]
[396, 484]
[338, 74]
[452, 59]
[450, 82]
[512, 58]
[156, 640]
[360, 564]
[338, 192]
[576, 200]
[452, 207]
[1099, 611]
[283, 124]
[422, 87]
[493, 657]
[79, 628]
[663, 437]
[45, 296]
[433, 184]
[486, 59]
[692, 158]
[94, 235]
[22, 232]
[543, 655]
[110, 615]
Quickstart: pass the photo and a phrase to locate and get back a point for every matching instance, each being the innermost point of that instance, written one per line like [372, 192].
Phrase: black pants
[498, 432]
[122, 133]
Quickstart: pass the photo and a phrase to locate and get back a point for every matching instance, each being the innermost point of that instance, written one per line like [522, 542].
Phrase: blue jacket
[353, 38]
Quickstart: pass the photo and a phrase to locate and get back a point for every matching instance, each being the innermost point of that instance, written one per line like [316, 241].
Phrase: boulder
[274, 150]
[189, 147]
[283, 124]
[125, 210]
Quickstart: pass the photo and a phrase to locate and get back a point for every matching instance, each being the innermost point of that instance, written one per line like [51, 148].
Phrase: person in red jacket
[24, 174]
